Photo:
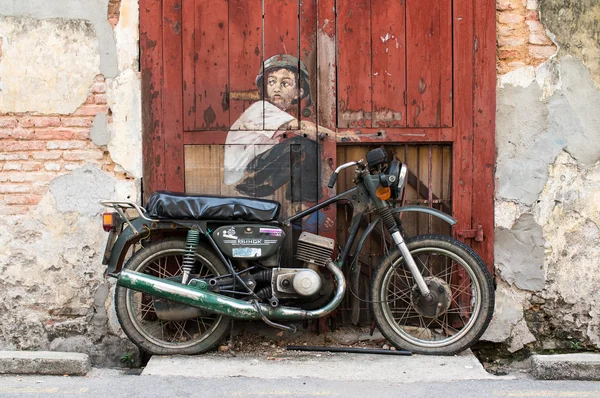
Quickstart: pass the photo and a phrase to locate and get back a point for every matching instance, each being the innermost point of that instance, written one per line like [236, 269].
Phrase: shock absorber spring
[189, 257]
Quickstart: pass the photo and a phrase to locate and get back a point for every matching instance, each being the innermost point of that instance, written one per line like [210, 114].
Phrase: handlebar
[335, 174]
[333, 179]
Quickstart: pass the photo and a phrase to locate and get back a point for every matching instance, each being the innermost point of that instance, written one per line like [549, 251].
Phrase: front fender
[428, 210]
[403, 209]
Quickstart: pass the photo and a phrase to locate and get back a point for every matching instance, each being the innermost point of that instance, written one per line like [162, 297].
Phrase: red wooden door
[376, 73]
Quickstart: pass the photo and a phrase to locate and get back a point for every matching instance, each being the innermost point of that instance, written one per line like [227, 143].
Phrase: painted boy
[257, 159]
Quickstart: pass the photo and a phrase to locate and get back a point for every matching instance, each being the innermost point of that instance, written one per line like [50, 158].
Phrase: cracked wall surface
[548, 186]
[74, 139]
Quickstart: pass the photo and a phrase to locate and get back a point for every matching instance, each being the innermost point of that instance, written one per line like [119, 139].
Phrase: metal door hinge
[476, 234]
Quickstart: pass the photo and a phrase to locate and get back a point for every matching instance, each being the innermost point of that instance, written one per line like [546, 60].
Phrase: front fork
[372, 183]
[410, 262]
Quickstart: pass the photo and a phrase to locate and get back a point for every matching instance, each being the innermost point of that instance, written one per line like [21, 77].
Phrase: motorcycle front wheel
[456, 314]
[137, 314]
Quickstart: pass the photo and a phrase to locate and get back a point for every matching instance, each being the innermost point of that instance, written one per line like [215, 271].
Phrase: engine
[261, 243]
[313, 251]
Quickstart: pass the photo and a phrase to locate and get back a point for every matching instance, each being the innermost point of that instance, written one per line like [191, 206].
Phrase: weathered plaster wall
[548, 186]
[70, 135]
[75, 138]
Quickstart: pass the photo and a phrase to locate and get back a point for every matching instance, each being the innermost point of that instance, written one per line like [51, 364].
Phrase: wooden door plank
[445, 57]
[484, 125]
[281, 36]
[172, 95]
[189, 62]
[462, 157]
[245, 54]
[202, 169]
[354, 63]
[152, 124]
[429, 60]
[326, 87]
[281, 28]
[211, 64]
[308, 56]
[308, 114]
[348, 136]
[326, 65]
[388, 63]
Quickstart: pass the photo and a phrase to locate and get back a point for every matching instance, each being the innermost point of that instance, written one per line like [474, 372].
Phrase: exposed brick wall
[522, 39]
[34, 149]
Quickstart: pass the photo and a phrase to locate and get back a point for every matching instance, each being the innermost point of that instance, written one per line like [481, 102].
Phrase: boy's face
[282, 88]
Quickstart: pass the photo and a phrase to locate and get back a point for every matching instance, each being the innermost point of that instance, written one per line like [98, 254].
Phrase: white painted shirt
[254, 132]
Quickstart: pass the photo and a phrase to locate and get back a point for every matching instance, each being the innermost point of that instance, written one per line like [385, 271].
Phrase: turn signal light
[383, 193]
[109, 221]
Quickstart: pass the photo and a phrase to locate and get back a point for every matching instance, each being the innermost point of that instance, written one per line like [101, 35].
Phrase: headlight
[396, 177]
[402, 175]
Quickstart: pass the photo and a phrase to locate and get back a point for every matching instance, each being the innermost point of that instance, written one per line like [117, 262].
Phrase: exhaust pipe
[211, 302]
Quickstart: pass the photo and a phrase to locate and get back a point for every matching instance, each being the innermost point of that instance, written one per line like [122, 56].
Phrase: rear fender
[141, 229]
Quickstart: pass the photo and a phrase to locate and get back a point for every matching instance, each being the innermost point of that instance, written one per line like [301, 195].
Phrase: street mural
[258, 158]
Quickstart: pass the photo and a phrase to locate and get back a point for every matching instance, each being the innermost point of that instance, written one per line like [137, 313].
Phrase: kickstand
[269, 322]
[230, 344]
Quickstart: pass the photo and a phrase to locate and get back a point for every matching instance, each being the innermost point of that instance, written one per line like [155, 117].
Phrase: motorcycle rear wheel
[464, 297]
[137, 315]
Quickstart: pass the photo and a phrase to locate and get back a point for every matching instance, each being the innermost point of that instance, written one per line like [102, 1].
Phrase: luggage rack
[119, 205]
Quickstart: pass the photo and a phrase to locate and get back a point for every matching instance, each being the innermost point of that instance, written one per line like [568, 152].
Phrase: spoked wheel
[457, 312]
[160, 326]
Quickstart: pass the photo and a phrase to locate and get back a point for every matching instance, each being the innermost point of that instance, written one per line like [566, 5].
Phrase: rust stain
[177, 27]
[209, 116]
[225, 99]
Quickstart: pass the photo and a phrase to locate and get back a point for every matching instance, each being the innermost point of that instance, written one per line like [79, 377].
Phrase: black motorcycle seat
[173, 205]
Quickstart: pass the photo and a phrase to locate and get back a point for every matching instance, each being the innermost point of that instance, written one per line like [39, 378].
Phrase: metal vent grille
[314, 249]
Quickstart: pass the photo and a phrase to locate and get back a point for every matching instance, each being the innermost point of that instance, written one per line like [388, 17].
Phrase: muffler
[198, 296]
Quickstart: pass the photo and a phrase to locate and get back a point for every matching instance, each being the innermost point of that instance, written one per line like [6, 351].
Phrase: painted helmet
[288, 62]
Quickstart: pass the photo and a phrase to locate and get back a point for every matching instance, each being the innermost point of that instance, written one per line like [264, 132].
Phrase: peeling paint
[575, 27]
[127, 35]
[94, 12]
[59, 302]
[326, 77]
[520, 254]
[547, 204]
[124, 100]
[55, 72]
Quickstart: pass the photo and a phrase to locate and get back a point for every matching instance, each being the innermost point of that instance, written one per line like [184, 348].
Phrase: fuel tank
[248, 241]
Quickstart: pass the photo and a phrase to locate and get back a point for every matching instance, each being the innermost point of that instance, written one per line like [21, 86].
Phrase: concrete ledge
[566, 367]
[339, 366]
[44, 363]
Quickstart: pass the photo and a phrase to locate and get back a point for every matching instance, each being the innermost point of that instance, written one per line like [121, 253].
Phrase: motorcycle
[202, 261]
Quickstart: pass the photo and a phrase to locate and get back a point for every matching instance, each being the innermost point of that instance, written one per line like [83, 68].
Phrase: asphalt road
[113, 384]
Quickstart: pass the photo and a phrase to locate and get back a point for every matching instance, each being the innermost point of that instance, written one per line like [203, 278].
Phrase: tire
[465, 307]
[135, 310]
